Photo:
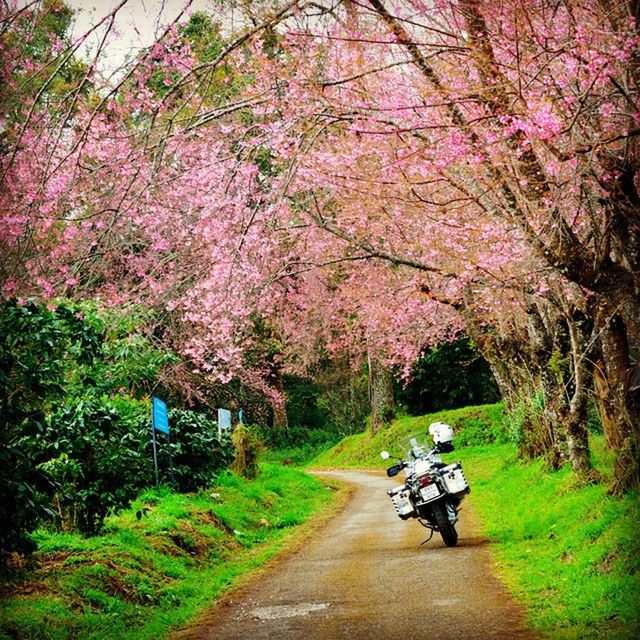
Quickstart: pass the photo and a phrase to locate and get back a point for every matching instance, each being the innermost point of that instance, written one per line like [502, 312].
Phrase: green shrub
[198, 454]
[108, 440]
[524, 425]
[57, 365]
[32, 348]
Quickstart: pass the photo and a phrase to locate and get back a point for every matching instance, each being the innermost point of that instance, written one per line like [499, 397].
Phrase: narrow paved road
[365, 576]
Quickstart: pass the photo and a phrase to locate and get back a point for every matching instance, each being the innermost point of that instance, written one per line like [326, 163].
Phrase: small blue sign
[159, 416]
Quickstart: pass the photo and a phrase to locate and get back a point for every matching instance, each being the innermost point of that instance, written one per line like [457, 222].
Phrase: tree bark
[279, 405]
[620, 403]
[383, 406]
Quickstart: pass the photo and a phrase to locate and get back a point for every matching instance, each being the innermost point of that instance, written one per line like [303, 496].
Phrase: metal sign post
[173, 477]
[160, 422]
[155, 453]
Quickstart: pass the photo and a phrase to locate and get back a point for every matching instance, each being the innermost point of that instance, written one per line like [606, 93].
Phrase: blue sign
[159, 416]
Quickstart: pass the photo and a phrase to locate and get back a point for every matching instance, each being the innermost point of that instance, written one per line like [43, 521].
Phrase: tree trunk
[279, 405]
[580, 382]
[578, 444]
[383, 406]
[619, 401]
[556, 448]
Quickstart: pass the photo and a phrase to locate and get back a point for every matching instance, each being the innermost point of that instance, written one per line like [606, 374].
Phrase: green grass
[471, 425]
[143, 578]
[569, 553]
[297, 456]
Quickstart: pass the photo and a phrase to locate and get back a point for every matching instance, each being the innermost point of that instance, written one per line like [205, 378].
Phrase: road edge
[288, 546]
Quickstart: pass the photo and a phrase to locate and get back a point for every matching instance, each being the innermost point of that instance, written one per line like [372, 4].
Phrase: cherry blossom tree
[358, 175]
[522, 115]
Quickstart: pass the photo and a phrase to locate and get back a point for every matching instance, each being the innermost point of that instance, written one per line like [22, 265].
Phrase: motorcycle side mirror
[384, 455]
[394, 470]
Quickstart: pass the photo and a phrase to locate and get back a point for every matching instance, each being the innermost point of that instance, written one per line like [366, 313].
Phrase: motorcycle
[432, 491]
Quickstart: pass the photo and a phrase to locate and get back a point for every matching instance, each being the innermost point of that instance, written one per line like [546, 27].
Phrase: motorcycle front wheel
[446, 529]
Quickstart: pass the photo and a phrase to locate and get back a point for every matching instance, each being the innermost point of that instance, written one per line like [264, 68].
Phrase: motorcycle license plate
[430, 492]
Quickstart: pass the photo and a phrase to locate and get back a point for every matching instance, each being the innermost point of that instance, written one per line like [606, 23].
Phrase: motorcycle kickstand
[427, 540]
[427, 526]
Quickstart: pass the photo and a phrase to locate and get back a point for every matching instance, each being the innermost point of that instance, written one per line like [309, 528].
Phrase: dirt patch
[280, 612]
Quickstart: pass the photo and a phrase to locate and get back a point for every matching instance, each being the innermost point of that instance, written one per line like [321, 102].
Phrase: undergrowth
[158, 563]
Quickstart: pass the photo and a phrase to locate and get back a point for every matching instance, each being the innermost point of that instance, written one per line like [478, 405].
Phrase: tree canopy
[341, 176]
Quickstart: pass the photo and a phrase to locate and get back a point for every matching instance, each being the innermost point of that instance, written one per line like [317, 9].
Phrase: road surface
[365, 576]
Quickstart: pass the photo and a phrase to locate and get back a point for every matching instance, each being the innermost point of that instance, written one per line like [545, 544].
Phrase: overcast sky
[137, 24]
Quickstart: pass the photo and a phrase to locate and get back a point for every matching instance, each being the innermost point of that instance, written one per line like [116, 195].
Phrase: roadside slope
[158, 564]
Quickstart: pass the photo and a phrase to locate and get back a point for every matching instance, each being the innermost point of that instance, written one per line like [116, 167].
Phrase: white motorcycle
[433, 490]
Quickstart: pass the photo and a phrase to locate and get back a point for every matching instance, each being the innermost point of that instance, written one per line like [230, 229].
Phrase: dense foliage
[74, 400]
[97, 451]
[449, 376]
[34, 348]
[198, 454]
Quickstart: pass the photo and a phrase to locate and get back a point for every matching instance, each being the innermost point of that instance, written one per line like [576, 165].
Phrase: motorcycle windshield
[417, 444]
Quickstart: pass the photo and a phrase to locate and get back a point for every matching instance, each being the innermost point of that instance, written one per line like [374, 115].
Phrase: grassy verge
[470, 425]
[161, 563]
[297, 456]
[570, 553]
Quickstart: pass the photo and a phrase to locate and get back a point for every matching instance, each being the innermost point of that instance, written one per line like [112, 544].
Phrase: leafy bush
[524, 425]
[108, 441]
[99, 453]
[198, 454]
[31, 377]
[46, 356]
[109, 350]
[72, 445]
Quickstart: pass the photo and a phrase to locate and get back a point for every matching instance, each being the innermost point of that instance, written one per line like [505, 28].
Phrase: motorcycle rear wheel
[446, 529]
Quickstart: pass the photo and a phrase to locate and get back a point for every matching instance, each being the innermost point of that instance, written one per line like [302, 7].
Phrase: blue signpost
[160, 416]
[160, 422]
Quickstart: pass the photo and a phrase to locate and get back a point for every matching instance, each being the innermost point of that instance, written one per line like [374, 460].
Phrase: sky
[137, 23]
